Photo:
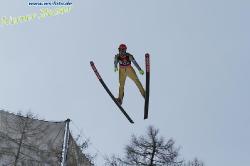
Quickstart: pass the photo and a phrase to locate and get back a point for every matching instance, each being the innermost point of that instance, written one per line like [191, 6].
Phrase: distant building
[26, 141]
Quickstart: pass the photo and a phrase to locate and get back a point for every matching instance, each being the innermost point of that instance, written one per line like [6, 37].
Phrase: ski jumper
[125, 69]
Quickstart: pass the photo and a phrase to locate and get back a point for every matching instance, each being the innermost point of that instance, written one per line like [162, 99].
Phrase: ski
[147, 65]
[108, 91]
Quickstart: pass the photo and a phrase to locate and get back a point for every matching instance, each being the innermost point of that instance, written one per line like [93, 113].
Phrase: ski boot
[119, 100]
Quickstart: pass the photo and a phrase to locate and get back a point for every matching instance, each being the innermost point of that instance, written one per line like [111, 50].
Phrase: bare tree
[148, 150]
[113, 161]
[195, 162]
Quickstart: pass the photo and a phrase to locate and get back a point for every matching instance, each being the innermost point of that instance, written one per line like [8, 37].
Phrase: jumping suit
[125, 69]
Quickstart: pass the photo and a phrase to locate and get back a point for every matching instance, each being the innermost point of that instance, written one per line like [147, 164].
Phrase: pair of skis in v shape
[147, 65]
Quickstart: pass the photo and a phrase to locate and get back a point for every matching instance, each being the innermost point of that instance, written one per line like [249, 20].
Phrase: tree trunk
[153, 154]
[20, 145]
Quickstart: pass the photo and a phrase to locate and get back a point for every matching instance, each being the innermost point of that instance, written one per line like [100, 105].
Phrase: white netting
[25, 141]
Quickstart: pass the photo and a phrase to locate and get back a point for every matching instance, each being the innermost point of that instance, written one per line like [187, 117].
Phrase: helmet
[122, 47]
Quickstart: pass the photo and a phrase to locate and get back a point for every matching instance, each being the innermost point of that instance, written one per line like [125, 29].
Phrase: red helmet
[122, 47]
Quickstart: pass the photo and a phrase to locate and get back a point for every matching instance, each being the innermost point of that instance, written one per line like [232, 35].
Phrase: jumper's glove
[141, 72]
[116, 69]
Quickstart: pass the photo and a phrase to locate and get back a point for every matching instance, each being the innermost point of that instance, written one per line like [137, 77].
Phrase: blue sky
[200, 58]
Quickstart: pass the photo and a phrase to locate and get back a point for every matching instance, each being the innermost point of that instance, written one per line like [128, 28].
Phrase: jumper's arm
[115, 61]
[131, 57]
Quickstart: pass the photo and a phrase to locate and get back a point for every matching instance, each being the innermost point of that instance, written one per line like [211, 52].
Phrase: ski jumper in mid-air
[125, 69]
